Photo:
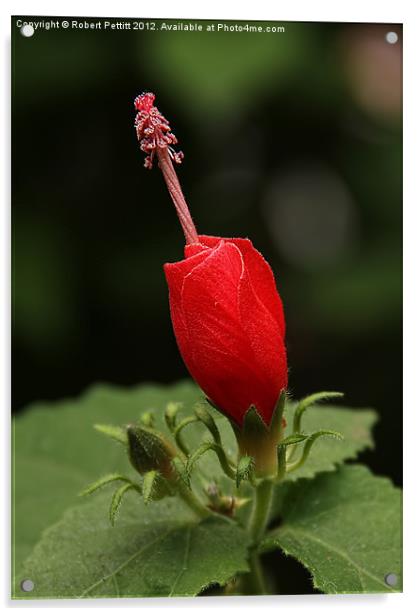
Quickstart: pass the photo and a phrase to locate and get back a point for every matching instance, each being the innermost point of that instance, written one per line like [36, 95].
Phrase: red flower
[226, 312]
[228, 321]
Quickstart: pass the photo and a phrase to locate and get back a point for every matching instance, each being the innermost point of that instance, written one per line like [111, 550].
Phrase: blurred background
[292, 139]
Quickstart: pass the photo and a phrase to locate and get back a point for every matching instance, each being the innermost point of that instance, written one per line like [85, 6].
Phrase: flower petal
[260, 275]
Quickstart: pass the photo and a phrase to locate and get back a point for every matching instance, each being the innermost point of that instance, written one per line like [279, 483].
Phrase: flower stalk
[254, 582]
[191, 500]
[261, 509]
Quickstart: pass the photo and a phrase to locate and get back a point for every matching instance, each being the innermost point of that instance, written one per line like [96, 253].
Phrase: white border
[308, 10]
[305, 10]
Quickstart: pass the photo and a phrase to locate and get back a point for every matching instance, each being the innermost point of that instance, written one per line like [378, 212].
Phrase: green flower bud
[149, 451]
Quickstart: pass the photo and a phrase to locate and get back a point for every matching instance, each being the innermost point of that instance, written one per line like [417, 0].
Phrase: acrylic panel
[207, 253]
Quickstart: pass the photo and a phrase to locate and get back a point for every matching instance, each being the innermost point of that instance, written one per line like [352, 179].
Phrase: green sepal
[293, 439]
[259, 440]
[204, 416]
[309, 401]
[149, 450]
[245, 470]
[218, 450]
[103, 481]
[155, 487]
[308, 446]
[177, 433]
[115, 432]
[196, 455]
[282, 452]
[253, 422]
[117, 499]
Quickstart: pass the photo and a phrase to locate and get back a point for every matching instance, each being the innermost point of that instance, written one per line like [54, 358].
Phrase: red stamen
[156, 138]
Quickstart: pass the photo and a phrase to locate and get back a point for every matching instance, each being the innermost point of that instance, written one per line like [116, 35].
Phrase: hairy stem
[261, 510]
[192, 501]
[254, 580]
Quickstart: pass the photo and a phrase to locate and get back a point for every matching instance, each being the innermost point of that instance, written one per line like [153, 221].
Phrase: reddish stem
[156, 138]
[177, 196]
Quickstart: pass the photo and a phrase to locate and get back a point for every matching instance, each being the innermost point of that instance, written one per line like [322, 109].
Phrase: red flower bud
[228, 321]
[226, 312]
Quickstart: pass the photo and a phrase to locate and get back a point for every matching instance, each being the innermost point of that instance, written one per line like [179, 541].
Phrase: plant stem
[192, 501]
[254, 580]
[261, 510]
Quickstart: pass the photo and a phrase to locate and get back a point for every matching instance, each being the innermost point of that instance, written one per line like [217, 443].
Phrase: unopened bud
[150, 451]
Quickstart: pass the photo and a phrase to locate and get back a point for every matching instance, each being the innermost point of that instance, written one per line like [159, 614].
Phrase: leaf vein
[184, 563]
[126, 562]
[358, 568]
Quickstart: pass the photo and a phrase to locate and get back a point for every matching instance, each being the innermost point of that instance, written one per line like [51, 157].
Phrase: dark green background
[292, 139]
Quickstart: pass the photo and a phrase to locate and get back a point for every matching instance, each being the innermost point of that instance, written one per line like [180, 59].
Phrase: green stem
[177, 433]
[219, 451]
[254, 580]
[261, 510]
[192, 501]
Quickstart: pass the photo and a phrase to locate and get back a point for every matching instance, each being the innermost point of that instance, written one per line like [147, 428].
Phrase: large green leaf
[345, 527]
[57, 452]
[154, 550]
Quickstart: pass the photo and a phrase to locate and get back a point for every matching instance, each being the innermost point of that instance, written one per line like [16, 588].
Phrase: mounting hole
[27, 30]
[391, 579]
[27, 585]
[391, 38]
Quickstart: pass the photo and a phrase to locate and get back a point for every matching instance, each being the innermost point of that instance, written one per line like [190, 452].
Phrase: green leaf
[57, 453]
[354, 425]
[345, 527]
[158, 550]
